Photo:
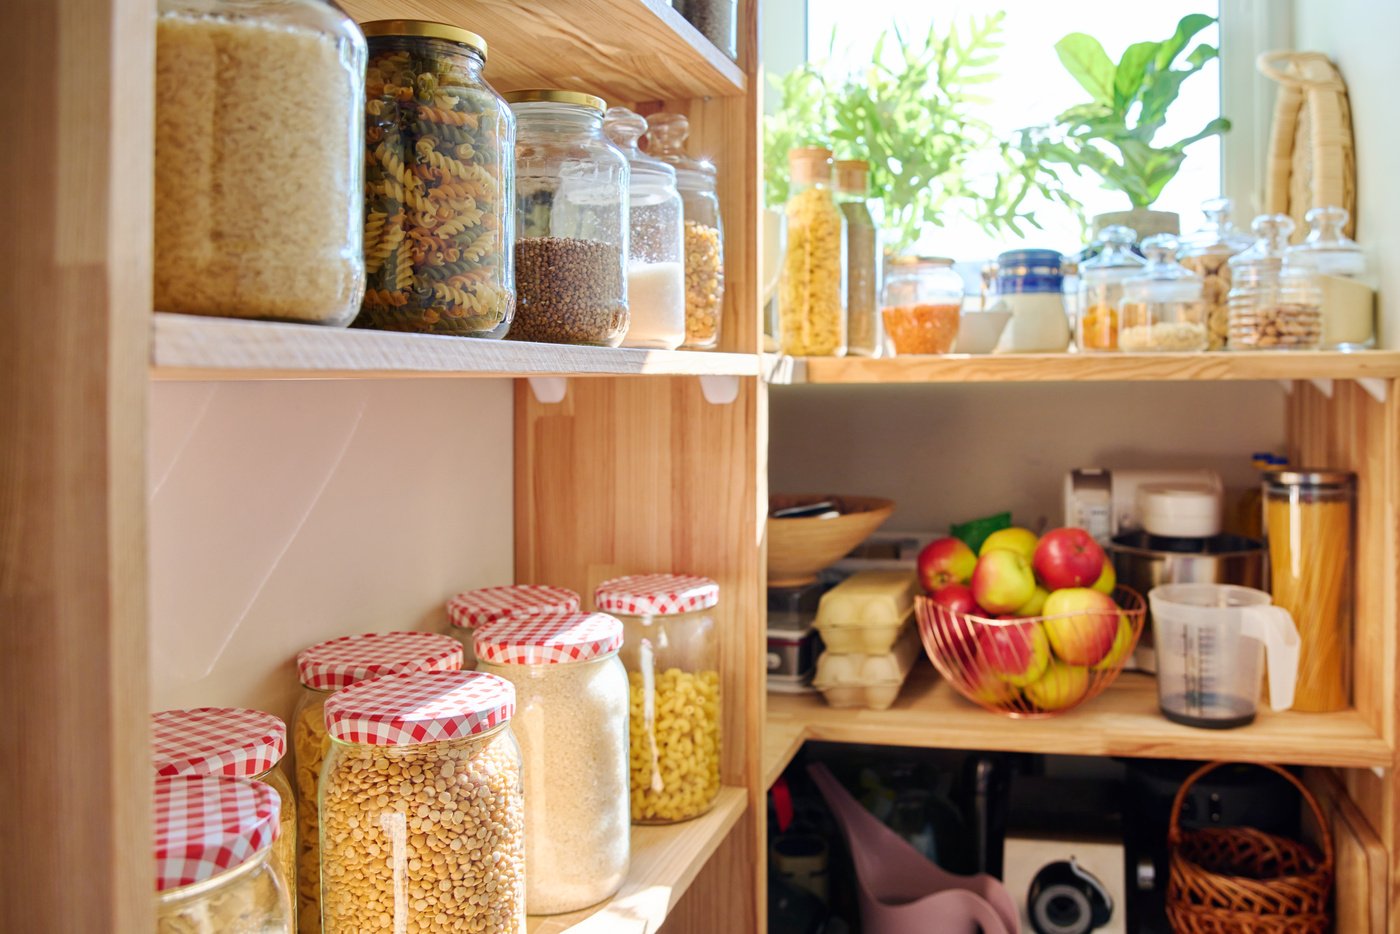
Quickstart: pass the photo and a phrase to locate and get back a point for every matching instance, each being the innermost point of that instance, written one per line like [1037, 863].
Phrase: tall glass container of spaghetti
[811, 320]
[1309, 516]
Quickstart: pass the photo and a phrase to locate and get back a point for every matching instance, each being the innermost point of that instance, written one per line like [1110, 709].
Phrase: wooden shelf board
[1122, 721]
[193, 348]
[626, 50]
[1107, 367]
[665, 860]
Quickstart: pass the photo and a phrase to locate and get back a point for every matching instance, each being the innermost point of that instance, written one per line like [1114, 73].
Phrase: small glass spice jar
[422, 809]
[1101, 288]
[1163, 307]
[1274, 303]
[922, 305]
[862, 259]
[812, 319]
[324, 669]
[1207, 253]
[214, 839]
[671, 652]
[571, 711]
[476, 609]
[239, 743]
[571, 222]
[439, 172]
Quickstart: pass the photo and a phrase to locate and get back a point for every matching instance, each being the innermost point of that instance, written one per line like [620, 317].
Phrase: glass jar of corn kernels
[422, 808]
[324, 669]
[671, 654]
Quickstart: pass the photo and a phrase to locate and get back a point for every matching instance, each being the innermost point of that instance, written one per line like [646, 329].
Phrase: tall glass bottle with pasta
[812, 321]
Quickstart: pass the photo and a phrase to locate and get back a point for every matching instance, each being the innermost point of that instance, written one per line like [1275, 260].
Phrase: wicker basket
[1238, 880]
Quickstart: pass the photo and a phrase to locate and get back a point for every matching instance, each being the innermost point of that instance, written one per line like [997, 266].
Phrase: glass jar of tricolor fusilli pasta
[439, 168]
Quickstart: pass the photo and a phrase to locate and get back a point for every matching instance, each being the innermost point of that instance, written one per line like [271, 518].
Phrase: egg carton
[865, 680]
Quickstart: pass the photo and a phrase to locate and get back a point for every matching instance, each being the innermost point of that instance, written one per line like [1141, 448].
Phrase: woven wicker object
[1238, 880]
[1312, 156]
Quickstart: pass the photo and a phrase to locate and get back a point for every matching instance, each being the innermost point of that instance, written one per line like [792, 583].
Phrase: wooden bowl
[799, 549]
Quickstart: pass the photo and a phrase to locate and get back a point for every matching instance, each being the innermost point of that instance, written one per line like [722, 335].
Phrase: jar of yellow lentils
[422, 809]
[214, 839]
[325, 668]
[476, 609]
[237, 742]
[671, 654]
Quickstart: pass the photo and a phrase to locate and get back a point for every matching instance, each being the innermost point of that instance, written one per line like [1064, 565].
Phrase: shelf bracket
[1323, 386]
[548, 390]
[1375, 387]
[719, 390]
[1287, 385]
[1378, 771]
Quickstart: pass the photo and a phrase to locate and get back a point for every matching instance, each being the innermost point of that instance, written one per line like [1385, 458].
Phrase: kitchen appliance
[1067, 885]
[793, 641]
[1105, 502]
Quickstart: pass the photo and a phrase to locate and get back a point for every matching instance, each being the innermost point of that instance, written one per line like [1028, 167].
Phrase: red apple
[952, 634]
[1122, 645]
[1021, 541]
[1002, 581]
[986, 688]
[1068, 557]
[1081, 624]
[1017, 652]
[1107, 580]
[945, 561]
[1035, 605]
[1061, 686]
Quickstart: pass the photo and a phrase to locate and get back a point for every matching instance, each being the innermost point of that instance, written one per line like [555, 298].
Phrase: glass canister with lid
[1163, 307]
[671, 653]
[922, 304]
[1101, 288]
[656, 240]
[486, 606]
[704, 231]
[1031, 284]
[324, 669]
[439, 154]
[812, 321]
[862, 258]
[1207, 253]
[571, 710]
[1327, 249]
[1274, 304]
[214, 838]
[571, 221]
[1348, 305]
[422, 809]
[258, 203]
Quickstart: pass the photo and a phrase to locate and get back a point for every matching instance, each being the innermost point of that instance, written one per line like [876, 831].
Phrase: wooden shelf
[193, 348]
[665, 861]
[1109, 367]
[626, 50]
[1122, 721]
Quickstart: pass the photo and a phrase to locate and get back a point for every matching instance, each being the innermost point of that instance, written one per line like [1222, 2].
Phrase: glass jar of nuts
[1207, 253]
[325, 668]
[214, 839]
[1274, 304]
[571, 222]
[422, 810]
[672, 658]
[475, 609]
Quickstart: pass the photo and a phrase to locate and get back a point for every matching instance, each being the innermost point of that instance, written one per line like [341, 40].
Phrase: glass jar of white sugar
[571, 722]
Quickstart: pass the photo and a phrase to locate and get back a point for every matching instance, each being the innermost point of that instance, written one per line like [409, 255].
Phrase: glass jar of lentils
[422, 810]
[571, 222]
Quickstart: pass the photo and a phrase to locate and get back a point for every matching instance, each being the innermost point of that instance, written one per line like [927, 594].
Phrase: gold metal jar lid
[426, 29]
[556, 96]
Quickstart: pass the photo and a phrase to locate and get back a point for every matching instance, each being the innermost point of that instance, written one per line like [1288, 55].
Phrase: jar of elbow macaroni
[422, 811]
[214, 840]
[672, 658]
[476, 609]
[324, 669]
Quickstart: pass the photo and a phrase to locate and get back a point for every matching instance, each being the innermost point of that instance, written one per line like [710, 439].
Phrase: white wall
[285, 513]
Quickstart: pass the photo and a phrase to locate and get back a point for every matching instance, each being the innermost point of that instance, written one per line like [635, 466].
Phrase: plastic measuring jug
[1212, 641]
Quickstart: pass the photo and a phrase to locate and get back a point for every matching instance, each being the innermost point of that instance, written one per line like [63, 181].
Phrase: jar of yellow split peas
[671, 654]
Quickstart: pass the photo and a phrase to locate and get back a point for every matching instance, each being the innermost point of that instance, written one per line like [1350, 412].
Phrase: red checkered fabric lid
[421, 707]
[216, 741]
[656, 594]
[556, 638]
[490, 604]
[339, 663]
[208, 824]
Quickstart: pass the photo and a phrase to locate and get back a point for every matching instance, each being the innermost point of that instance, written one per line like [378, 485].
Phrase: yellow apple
[1002, 581]
[1081, 624]
[1061, 686]
[1107, 580]
[1035, 605]
[1021, 541]
[1122, 645]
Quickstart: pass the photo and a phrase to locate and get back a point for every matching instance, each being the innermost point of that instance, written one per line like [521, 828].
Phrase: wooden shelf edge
[665, 861]
[188, 347]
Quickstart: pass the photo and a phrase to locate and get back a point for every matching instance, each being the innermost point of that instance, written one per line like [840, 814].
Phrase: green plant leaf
[1186, 29]
[1127, 77]
[1087, 62]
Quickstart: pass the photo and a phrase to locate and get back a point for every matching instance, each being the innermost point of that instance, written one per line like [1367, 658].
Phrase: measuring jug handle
[1273, 626]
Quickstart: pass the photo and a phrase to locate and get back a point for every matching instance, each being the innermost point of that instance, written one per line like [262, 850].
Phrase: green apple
[1061, 686]
[1002, 581]
[1035, 605]
[1018, 653]
[1107, 580]
[1081, 624]
[1122, 645]
[1021, 541]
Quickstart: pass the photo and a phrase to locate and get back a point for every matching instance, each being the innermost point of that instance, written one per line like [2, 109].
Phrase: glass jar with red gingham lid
[214, 838]
[571, 702]
[671, 653]
[485, 606]
[323, 669]
[232, 741]
[422, 810]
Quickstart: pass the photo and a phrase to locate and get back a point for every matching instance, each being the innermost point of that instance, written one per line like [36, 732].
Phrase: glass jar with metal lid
[922, 304]
[1030, 283]
[571, 248]
[571, 706]
[656, 240]
[1163, 307]
[704, 231]
[439, 171]
[476, 609]
[324, 669]
[1274, 303]
[214, 838]
[671, 653]
[1101, 280]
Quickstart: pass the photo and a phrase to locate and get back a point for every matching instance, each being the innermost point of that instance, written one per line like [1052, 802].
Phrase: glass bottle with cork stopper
[1163, 308]
[810, 292]
[1101, 288]
[862, 258]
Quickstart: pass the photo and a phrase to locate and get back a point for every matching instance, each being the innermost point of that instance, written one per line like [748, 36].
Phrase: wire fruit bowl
[1033, 666]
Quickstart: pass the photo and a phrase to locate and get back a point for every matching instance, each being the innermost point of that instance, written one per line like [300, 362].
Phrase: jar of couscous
[324, 669]
[214, 839]
[672, 658]
[475, 609]
[571, 707]
[422, 810]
